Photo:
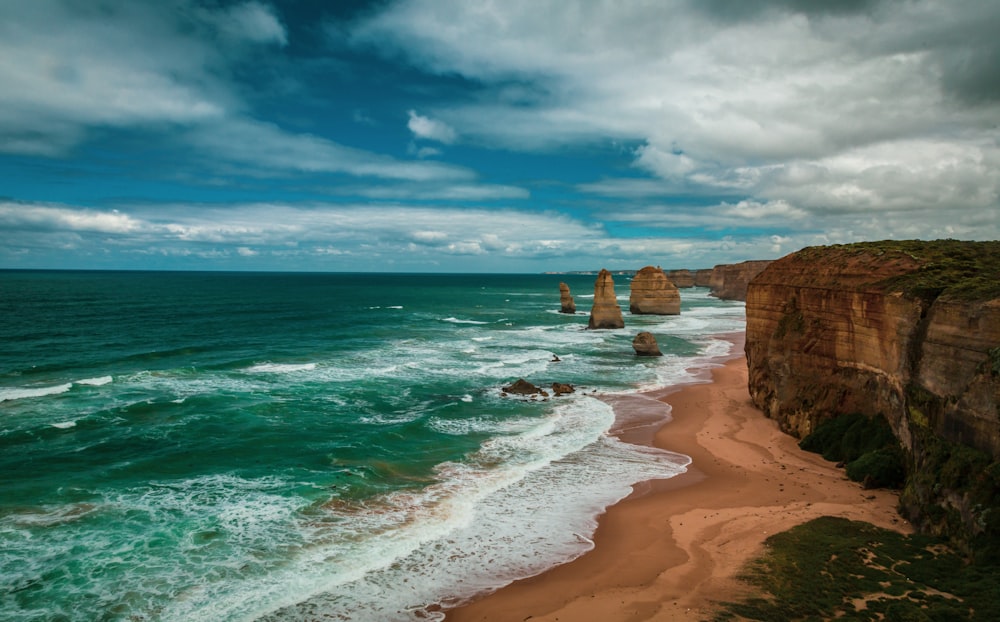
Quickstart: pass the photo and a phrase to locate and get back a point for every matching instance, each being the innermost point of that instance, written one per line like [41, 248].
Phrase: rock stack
[653, 294]
[644, 344]
[566, 300]
[605, 313]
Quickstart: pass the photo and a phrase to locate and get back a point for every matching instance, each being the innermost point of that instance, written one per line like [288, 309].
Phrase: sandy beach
[673, 548]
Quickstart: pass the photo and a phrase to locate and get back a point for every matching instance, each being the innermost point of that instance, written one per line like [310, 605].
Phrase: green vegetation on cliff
[866, 446]
[833, 568]
[953, 269]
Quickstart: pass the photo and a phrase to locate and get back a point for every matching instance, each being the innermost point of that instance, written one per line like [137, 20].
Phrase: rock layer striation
[652, 293]
[605, 313]
[909, 331]
[681, 278]
[729, 281]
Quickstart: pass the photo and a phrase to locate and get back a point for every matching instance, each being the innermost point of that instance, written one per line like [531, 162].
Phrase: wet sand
[672, 549]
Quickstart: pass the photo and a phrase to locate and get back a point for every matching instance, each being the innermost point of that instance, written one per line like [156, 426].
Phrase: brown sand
[672, 549]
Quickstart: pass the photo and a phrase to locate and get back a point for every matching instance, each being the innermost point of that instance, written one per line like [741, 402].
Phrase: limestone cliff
[703, 277]
[729, 281]
[909, 331]
[653, 294]
[605, 313]
[566, 304]
[681, 278]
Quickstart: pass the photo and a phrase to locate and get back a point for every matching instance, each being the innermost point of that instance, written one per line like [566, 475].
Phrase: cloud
[269, 148]
[59, 83]
[393, 237]
[166, 70]
[430, 129]
[441, 192]
[882, 107]
[253, 22]
[40, 217]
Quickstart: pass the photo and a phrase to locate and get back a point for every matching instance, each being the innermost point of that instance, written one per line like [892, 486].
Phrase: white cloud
[163, 68]
[27, 216]
[268, 147]
[668, 165]
[454, 191]
[254, 22]
[60, 82]
[830, 110]
[430, 129]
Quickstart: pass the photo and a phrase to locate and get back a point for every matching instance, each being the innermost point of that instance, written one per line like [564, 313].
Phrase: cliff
[703, 277]
[729, 281]
[605, 313]
[681, 278]
[651, 293]
[908, 331]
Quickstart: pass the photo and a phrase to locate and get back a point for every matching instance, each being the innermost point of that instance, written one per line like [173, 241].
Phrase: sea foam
[21, 393]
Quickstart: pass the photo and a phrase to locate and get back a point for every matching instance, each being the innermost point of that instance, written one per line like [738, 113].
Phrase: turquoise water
[231, 446]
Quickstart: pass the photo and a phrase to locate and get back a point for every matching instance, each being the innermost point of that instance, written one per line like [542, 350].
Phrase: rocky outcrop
[566, 304]
[645, 344]
[681, 278]
[703, 278]
[729, 281]
[605, 313]
[523, 387]
[908, 331]
[653, 294]
[561, 388]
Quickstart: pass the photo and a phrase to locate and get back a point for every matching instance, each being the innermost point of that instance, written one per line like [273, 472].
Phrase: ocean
[264, 446]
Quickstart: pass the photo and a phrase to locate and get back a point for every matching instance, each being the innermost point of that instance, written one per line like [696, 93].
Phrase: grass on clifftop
[834, 568]
[952, 269]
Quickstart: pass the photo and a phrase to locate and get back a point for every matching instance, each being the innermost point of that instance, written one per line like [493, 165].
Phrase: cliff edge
[905, 330]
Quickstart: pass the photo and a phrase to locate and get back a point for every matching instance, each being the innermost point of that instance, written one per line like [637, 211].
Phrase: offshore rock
[523, 387]
[644, 344]
[561, 388]
[729, 281]
[681, 278]
[566, 300]
[653, 294]
[605, 313]
[908, 331]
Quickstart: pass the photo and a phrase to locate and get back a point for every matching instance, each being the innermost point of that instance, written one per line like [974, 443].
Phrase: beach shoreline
[673, 548]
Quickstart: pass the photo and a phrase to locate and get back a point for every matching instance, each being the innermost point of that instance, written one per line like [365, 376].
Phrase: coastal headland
[671, 550]
[883, 354]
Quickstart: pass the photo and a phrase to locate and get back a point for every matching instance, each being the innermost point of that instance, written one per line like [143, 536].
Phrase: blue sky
[495, 136]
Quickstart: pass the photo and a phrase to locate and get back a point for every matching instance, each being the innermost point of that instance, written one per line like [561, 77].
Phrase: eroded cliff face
[729, 281]
[872, 330]
[703, 277]
[681, 278]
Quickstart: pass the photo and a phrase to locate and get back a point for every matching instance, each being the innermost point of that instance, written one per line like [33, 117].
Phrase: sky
[490, 136]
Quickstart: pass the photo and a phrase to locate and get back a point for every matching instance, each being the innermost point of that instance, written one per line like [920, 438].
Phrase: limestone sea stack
[644, 344]
[653, 293]
[605, 313]
[681, 278]
[566, 300]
